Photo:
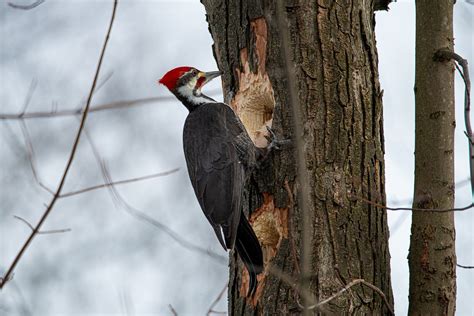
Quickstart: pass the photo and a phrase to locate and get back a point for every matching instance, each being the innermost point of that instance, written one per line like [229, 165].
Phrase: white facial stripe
[192, 83]
[187, 92]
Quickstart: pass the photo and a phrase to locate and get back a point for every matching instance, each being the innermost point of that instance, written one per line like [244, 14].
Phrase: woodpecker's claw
[274, 142]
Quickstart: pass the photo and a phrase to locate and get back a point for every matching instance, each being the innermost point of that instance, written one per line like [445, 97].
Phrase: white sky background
[110, 263]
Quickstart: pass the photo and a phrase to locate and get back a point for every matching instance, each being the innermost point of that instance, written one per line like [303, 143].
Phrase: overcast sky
[111, 263]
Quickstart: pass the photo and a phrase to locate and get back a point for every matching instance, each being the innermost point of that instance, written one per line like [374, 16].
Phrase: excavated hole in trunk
[254, 101]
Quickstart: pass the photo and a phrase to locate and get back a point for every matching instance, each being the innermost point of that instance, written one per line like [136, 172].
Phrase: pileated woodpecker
[220, 157]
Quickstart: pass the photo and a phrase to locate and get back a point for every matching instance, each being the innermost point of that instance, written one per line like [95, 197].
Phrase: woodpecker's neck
[192, 98]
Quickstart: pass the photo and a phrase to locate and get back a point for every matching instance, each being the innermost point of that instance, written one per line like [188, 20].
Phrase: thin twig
[214, 303]
[464, 267]
[293, 283]
[74, 112]
[304, 196]
[173, 311]
[48, 210]
[445, 55]
[27, 139]
[457, 185]
[140, 215]
[441, 210]
[26, 6]
[29, 95]
[105, 185]
[31, 156]
[347, 287]
[101, 83]
[54, 231]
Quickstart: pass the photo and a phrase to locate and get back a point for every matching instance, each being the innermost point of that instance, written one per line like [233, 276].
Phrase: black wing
[214, 166]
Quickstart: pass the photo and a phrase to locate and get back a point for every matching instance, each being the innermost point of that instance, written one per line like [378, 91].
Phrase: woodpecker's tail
[250, 252]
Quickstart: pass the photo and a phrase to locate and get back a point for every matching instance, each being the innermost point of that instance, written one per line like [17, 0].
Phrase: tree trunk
[332, 47]
[432, 257]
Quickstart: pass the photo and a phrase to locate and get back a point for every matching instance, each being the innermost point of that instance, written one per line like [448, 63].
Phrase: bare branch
[31, 156]
[214, 303]
[100, 84]
[458, 209]
[379, 292]
[74, 112]
[25, 221]
[102, 107]
[105, 185]
[29, 95]
[69, 162]
[347, 287]
[140, 215]
[173, 311]
[458, 185]
[293, 283]
[445, 55]
[27, 139]
[26, 6]
[29, 145]
[55, 231]
[464, 267]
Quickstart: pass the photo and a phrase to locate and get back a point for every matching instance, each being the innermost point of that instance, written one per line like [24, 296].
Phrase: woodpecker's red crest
[186, 82]
[170, 79]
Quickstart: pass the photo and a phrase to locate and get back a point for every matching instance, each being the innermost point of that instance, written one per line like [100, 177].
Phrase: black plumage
[220, 157]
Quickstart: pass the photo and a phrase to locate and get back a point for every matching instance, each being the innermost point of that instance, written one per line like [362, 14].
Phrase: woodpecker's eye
[194, 72]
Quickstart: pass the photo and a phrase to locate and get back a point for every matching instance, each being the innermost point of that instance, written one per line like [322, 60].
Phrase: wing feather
[214, 166]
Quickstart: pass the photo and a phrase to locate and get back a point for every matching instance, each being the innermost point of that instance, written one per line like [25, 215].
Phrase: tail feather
[250, 252]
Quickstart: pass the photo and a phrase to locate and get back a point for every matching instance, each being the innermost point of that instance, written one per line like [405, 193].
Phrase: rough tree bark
[332, 44]
[432, 257]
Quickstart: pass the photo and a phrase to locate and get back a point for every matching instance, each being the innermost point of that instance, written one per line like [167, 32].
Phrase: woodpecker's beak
[209, 76]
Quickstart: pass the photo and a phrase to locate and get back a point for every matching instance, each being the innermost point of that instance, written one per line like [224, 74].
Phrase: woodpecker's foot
[274, 142]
